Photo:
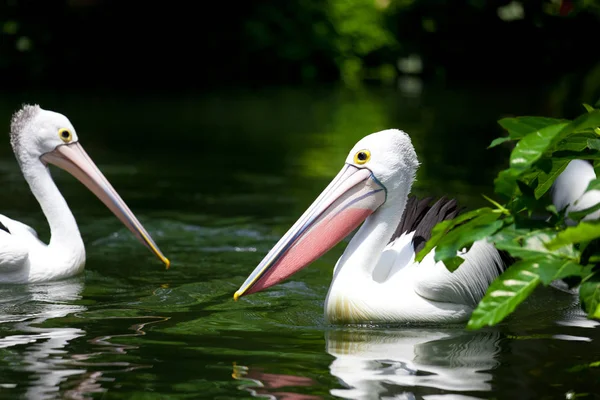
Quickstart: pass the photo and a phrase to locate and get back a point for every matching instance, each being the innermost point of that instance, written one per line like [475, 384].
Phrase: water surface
[217, 178]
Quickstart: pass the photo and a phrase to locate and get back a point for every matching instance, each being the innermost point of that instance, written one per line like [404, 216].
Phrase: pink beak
[350, 198]
[73, 159]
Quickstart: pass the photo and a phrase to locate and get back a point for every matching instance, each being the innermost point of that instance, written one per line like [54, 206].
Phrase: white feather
[568, 190]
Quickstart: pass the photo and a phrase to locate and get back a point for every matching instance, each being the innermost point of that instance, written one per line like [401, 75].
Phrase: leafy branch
[548, 244]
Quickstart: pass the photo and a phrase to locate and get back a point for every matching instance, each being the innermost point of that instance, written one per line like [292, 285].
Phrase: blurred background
[285, 88]
[177, 45]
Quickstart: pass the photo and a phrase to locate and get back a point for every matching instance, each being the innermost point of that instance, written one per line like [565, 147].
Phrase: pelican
[568, 192]
[40, 137]
[376, 280]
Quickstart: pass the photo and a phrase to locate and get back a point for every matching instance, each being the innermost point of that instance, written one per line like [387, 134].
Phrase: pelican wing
[15, 241]
[468, 284]
[4, 228]
[16, 228]
[13, 252]
[420, 217]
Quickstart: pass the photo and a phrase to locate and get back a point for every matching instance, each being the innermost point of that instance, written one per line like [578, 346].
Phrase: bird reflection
[385, 364]
[45, 353]
[91, 381]
[269, 386]
[23, 309]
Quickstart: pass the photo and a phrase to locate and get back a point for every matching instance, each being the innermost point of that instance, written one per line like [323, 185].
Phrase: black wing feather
[4, 228]
[420, 217]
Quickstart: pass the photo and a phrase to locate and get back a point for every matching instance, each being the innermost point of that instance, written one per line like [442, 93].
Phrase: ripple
[367, 361]
[224, 249]
[572, 338]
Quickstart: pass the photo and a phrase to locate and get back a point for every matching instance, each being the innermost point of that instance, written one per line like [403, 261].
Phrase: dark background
[288, 86]
[184, 45]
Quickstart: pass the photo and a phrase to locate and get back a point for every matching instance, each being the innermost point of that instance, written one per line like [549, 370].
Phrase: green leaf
[577, 142]
[498, 205]
[593, 144]
[463, 236]
[581, 214]
[524, 188]
[532, 146]
[499, 141]
[589, 294]
[505, 294]
[520, 126]
[529, 245]
[551, 208]
[588, 107]
[593, 185]
[592, 155]
[526, 244]
[506, 183]
[583, 232]
[590, 120]
[453, 263]
[443, 227]
[545, 180]
[552, 269]
[587, 121]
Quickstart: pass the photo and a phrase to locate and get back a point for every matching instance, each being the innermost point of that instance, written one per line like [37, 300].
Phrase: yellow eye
[65, 135]
[362, 157]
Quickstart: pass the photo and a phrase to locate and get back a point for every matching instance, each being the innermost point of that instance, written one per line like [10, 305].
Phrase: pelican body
[376, 280]
[40, 137]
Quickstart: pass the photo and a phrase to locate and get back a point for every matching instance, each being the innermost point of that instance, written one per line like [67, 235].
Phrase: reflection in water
[268, 386]
[27, 306]
[382, 364]
[91, 381]
[43, 354]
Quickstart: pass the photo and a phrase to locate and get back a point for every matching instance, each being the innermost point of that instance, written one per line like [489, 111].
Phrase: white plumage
[569, 190]
[39, 137]
[376, 280]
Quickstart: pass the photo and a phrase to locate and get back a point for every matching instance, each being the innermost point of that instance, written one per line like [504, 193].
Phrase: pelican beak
[346, 202]
[73, 159]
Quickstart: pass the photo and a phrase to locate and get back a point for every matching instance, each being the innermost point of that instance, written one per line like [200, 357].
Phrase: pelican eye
[65, 135]
[362, 157]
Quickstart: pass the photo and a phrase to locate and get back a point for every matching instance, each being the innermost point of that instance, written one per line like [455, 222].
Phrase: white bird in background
[569, 190]
[376, 280]
[40, 137]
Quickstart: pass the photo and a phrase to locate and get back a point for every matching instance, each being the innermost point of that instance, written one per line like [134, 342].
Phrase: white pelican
[40, 137]
[376, 280]
[568, 191]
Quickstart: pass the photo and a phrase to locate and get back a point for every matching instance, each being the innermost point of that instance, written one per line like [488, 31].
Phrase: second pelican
[377, 280]
[40, 137]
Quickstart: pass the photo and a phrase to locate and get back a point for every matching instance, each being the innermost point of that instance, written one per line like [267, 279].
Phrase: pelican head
[391, 158]
[380, 168]
[36, 132]
[42, 137]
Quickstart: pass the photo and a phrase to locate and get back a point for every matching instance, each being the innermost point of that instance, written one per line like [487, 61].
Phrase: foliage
[167, 44]
[310, 34]
[527, 225]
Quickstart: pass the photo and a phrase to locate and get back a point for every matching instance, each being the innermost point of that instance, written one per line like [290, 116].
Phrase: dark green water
[217, 178]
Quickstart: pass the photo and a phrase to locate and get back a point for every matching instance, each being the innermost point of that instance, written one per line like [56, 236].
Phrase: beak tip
[167, 263]
[237, 295]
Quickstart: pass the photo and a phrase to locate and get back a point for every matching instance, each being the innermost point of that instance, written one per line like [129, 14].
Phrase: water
[217, 178]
